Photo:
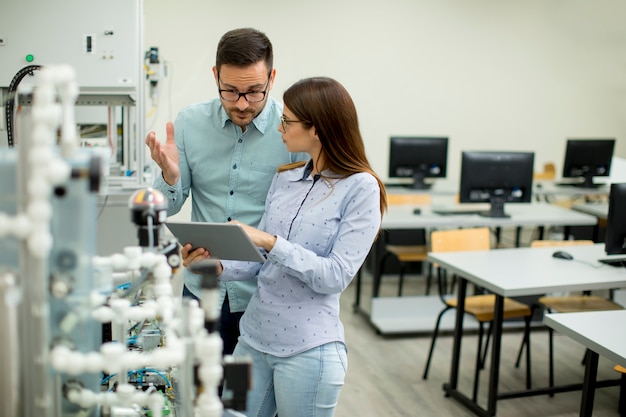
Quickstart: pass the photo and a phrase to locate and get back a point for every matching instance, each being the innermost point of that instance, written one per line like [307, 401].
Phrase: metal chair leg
[433, 340]
[483, 357]
[401, 281]
[527, 338]
[379, 274]
[479, 360]
[520, 352]
[429, 278]
[621, 408]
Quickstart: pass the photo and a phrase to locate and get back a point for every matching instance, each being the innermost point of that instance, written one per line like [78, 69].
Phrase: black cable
[10, 102]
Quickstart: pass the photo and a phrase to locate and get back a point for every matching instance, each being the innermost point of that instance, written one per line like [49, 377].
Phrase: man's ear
[272, 78]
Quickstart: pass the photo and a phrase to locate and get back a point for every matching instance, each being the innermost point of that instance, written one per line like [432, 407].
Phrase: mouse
[562, 255]
[417, 211]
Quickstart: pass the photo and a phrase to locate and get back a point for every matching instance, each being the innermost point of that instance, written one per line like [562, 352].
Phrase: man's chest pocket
[259, 179]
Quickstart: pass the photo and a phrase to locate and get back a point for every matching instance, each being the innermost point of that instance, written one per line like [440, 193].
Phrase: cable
[142, 371]
[10, 103]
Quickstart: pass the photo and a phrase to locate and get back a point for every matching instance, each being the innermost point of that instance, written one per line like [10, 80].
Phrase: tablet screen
[226, 241]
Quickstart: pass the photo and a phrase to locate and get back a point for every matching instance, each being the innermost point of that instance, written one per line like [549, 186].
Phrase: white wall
[490, 74]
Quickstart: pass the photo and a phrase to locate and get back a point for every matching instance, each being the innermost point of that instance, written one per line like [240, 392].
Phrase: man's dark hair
[244, 47]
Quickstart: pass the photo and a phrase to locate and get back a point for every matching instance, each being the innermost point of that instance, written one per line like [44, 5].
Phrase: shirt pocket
[259, 180]
[315, 236]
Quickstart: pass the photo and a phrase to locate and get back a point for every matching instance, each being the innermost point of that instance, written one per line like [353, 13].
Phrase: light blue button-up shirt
[228, 173]
[324, 232]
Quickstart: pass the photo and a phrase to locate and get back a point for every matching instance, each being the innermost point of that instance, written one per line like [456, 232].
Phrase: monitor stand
[418, 182]
[496, 209]
[619, 261]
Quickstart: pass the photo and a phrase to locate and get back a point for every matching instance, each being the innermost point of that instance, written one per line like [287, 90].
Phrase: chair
[412, 249]
[480, 306]
[548, 173]
[569, 303]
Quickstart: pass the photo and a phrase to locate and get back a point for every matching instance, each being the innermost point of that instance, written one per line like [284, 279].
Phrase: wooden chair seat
[574, 303]
[482, 307]
[409, 253]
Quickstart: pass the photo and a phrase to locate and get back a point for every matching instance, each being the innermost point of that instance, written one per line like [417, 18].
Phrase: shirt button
[231, 192]
[240, 140]
[234, 166]
[229, 219]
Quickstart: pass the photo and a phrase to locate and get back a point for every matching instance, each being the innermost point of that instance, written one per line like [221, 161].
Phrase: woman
[321, 218]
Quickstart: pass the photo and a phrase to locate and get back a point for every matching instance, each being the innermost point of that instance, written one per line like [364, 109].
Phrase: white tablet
[226, 241]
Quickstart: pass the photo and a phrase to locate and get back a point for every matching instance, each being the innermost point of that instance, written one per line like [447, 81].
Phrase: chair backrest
[411, 237]
[460, 240]
[409, 198]
[544, 243]
[549, 172]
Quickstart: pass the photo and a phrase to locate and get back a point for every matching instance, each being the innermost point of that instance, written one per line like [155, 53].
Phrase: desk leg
[494, 369]
[589, 384]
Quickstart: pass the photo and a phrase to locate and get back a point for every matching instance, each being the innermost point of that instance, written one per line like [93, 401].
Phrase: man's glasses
[250, 96]
[284, 122]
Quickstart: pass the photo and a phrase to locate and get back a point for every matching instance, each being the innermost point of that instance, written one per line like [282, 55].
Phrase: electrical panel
[101, 40]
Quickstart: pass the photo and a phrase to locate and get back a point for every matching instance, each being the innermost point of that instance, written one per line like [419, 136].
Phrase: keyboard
[579, 185]
[619, 261]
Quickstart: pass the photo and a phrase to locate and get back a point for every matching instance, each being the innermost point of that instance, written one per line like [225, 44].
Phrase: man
[225, 152]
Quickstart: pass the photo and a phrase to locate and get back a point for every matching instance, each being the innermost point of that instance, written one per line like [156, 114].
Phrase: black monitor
[588, 158]
[615, 236]
[418, 158]
[496, 177]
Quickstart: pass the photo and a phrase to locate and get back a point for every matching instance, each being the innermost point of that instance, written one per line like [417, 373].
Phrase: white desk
[608, 340]
[519, 272]
[600, 210]
[542, 189]
[526, 214]
[439, 187]
[548, 189]
[417, 314]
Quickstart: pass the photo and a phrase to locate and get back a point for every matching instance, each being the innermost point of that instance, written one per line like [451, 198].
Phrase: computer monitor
[496, 177]
[587, 158]
[615, 235]
[418, 158]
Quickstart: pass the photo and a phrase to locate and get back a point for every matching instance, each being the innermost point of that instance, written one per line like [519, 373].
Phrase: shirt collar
[260, 122]
[303, 173]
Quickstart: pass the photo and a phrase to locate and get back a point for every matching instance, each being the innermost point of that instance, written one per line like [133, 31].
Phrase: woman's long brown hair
[325, 104]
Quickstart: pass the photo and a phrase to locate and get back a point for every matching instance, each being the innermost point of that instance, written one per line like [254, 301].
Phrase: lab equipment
[56, 294]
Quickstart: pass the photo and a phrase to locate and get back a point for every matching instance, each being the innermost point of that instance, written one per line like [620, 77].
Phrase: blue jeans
[304, 385]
